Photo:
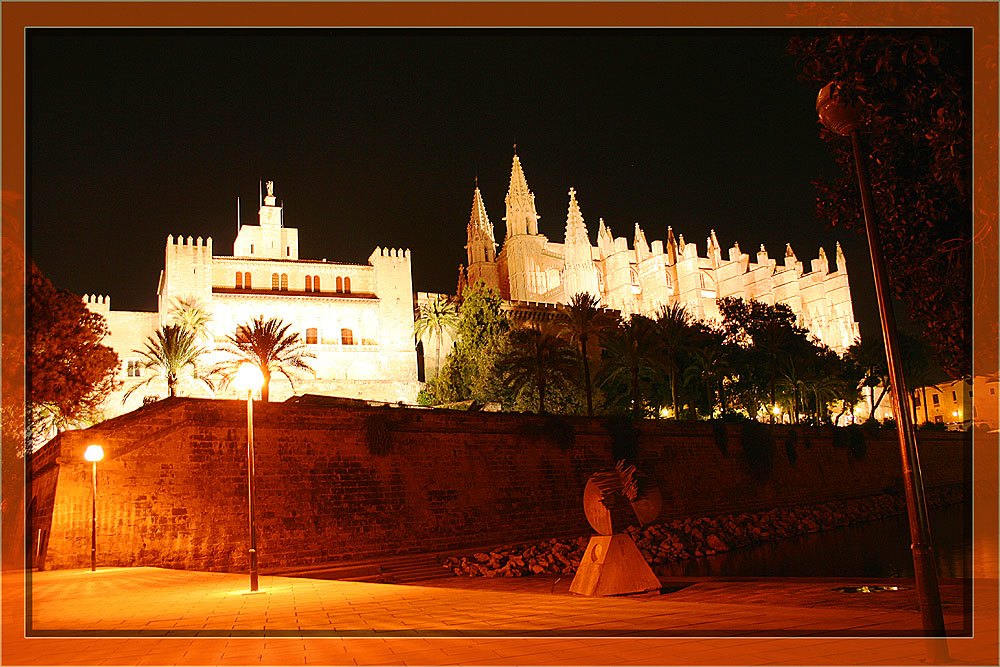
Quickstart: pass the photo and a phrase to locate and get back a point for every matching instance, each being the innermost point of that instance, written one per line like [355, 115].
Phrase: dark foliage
[721, 434]
[70, 373]
[914, 88]
[378, 433]
[624, 438]
[853, 439]
[793, 438]
[758, 447]
[561, 431]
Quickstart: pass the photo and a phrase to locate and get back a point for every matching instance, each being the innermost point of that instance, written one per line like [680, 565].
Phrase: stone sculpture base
[612, 565]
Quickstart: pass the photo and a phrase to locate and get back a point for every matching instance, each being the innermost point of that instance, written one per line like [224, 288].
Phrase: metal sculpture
[612, 564]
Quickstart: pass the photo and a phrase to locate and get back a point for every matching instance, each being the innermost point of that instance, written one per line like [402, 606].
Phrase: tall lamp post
[846, 120]
[93, 453]
[250, 378]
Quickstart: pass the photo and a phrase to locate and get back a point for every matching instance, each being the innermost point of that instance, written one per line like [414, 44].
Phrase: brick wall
[172, 488]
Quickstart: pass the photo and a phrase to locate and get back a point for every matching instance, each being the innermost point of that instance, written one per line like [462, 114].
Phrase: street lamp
[846, 120]
[250, 378]
[93, 453]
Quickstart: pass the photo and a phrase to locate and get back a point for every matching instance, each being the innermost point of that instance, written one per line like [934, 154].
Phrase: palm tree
[792, 380]
[267, 345]
[709, 366]
[629, 353]
[193, 316]
[537, 356]
[169, 351]
[869, 354]
[436, 318]
[672, 329]
[581, 319]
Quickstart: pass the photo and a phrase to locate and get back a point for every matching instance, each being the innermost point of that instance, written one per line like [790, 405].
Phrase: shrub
[758, 447]
[378, 433]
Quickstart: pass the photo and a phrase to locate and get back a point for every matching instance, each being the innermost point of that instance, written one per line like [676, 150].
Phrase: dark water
[875, 549]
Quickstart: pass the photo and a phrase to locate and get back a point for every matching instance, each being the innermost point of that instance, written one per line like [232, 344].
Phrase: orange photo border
[980, 16]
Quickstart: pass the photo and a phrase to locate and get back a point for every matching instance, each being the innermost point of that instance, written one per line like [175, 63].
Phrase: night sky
[376, 137]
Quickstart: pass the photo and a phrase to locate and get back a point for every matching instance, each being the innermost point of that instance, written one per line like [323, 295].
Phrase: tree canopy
[914, 88]
[70, 373]
[470, 369]
[268, 345]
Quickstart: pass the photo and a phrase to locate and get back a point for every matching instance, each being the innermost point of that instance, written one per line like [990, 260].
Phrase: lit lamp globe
[834, 114]
[94, 453]
[249, 378]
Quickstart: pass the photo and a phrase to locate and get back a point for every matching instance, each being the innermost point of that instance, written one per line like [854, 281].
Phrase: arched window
[347, 285]
[340, 284]
[315, 283]
[275, 281]
[284, 281]
[246, 280]
[311, 336]
[309, 283]
[346, 337]
[239, 280]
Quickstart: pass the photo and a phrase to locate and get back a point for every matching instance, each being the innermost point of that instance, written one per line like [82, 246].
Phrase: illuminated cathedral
[529, 268]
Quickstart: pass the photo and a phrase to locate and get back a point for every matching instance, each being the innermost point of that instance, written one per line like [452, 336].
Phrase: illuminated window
[275, 281]
[239, 280]
[938, 419]
[347, 285]
[246, 280]
[346, 337]
[340, 284]
[309, 283]
[284, 281]
[311, 336]
[315, 283]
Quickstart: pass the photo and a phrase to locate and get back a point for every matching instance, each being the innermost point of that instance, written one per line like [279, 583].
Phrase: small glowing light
[249, 378]
[954, 414]
[776, 410]
[94, 453]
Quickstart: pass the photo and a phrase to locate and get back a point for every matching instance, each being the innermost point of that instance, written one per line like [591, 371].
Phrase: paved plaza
[153, 616]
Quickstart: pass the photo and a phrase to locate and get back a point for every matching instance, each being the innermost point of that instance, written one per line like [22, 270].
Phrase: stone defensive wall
[345, 483]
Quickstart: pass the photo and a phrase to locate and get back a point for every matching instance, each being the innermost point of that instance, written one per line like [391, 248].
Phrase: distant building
[356, 319]
[530, 268]
[958, 403]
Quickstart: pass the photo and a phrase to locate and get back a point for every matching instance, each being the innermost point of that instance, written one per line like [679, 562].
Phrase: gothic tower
[579, 272]
[522, 249]
[481, 247]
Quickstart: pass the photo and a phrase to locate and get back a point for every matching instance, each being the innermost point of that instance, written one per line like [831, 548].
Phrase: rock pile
[692, 538]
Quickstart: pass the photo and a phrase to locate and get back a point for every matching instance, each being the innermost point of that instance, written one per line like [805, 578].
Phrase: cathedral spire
[671, 246]
[480, 242]
[521, 216]
[576, 229]
[841, 260]
[479, 219]
[640, 244]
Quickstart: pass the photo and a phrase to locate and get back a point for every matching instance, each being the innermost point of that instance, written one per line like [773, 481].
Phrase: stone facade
[448, 480]
[356, 319]
[648, 276]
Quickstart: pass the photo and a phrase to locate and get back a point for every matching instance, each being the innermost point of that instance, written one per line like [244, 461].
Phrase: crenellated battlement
[395, 253]
[189, 241]
[97, 302]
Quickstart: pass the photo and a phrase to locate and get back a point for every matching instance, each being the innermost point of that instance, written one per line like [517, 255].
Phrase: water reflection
[874, 549]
